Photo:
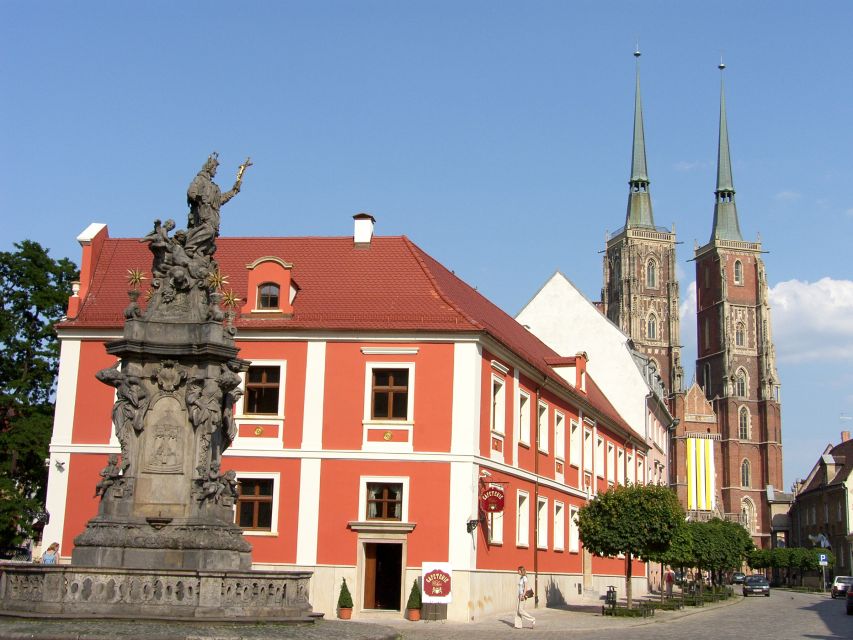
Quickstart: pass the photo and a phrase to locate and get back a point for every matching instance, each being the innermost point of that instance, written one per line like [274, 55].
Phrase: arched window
[740, 383]
[744, 473]
[738, 272]
[747, 515]
[652, 332]
[268, 295]
[651, 274]
[740, 334]
[707, 378]
[743, 424]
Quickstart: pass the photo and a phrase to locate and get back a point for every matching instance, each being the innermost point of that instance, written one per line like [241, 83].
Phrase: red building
[384, 396]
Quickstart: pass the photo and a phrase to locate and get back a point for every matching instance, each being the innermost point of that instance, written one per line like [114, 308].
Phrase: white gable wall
[564, 319]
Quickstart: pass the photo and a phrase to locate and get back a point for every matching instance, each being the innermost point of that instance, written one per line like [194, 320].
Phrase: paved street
[783, 616]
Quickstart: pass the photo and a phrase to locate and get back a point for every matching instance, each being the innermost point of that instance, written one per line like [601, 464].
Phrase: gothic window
[740, 334]
[706, 325]
[744, 474]
[747, 514]
[743, 424]
[652, 331]
[707, 379]
[740, 383]
[651, 274]
[738, 272]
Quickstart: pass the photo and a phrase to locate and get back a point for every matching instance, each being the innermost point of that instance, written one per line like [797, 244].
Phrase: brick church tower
[736, 363]
[640, 292]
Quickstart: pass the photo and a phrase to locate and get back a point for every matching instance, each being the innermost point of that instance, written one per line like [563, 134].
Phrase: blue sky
[496, 135]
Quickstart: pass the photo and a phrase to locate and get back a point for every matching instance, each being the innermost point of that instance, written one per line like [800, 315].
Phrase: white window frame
[542, 514]
[368, 393]
[522, 519]
[574, 532]
[641, 469]
[599, 456]
[611, 462]
[275, 476]
[363, 481]
[542, 433]
[524, 418]
[737, 278]
[495, 522]
[559, 526]
[631, 468]
[261, 419]
[575, 444]
[497, 410]
[559, 436]
[620, 465]
[587, 449]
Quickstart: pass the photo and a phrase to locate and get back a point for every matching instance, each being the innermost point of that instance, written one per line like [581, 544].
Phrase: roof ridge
[411, 246]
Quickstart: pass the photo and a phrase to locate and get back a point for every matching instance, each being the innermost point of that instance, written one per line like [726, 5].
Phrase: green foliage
[719, 545]
[34, 292]
[344, 597]
[637, 520]
[414, 597]
[760, 558]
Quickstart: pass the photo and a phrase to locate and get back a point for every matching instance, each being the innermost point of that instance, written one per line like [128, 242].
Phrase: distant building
[822, 510]
[384, 397]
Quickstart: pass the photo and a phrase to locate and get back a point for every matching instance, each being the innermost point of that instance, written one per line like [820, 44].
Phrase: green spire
[639, 201]
[726, 225]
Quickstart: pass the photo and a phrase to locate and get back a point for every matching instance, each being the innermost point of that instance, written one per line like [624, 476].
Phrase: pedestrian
[51, 555]
[670, 578]
[524, 592]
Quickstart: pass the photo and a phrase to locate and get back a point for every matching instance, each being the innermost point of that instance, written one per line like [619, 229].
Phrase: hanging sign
[437, 579]
[492, 499]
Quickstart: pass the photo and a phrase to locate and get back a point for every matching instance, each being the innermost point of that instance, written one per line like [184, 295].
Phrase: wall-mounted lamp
[472, 525]
[60, 466]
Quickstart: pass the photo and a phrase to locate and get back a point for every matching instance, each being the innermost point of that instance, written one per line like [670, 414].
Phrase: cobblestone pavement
[783, 616]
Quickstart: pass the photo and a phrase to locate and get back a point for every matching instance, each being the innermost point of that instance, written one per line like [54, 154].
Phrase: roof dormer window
[268, 296]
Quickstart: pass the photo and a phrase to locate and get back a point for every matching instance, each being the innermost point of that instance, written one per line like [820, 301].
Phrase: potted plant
[413, 606]
[344, 602]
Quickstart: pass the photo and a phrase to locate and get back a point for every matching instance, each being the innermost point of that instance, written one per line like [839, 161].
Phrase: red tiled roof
[391, 286]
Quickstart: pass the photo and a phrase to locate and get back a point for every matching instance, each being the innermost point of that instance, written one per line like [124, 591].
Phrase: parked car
[850, 602]
[756, 585]
[737, 577]
[840, 586]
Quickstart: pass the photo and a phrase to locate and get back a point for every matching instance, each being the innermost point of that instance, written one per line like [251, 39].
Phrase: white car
[840, 586]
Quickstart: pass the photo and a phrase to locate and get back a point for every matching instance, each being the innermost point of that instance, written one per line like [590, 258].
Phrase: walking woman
[523, 590]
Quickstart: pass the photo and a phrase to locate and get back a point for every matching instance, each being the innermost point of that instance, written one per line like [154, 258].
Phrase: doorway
[383, 568]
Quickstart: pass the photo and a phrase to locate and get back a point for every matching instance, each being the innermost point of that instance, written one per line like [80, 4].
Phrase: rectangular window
[524, 417]
[574, 535]
[262, 390]
[495, 523]
[522, 520]
[255, 504]
[498, 410]
[599, 456]
[559, 436]
[390, 391]
[620, 466]
[384, 501]
[611, 463]
[542, 427]
[631, 469]
[559, 526]
[575, 445]
[641, 470]
[542, 523]
[587, 450]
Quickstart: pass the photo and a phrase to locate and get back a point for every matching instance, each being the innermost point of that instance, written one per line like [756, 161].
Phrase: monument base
[80, 592]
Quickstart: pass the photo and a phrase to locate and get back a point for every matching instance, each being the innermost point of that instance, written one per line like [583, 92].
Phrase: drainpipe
[536, 501]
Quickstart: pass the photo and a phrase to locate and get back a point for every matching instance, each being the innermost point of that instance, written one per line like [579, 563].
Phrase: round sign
[492, 500]
[437, 584]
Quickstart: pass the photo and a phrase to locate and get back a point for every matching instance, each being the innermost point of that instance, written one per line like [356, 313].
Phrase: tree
[34, 292]
[635, 520]
[719, 546]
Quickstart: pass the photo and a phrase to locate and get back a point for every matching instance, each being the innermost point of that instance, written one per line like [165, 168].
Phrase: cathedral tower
[640, 293]
[736, 363]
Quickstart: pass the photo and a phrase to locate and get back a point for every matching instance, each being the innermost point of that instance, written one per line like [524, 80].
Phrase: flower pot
[345, 613]
[413, 614]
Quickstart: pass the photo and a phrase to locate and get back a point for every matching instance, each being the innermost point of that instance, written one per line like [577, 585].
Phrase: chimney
[845, 436]
[363, 233]
[581, 359]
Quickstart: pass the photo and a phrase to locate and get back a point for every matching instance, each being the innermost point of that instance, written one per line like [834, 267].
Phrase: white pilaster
[467, 383]
[315, 381]
[464, 479]
[309, 512]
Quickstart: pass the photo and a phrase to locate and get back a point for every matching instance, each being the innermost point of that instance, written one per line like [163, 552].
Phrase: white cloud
[787, 196]
[689, 165]
[813, 320]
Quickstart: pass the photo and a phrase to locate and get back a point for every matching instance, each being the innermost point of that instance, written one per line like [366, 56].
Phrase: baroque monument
[164, 542]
